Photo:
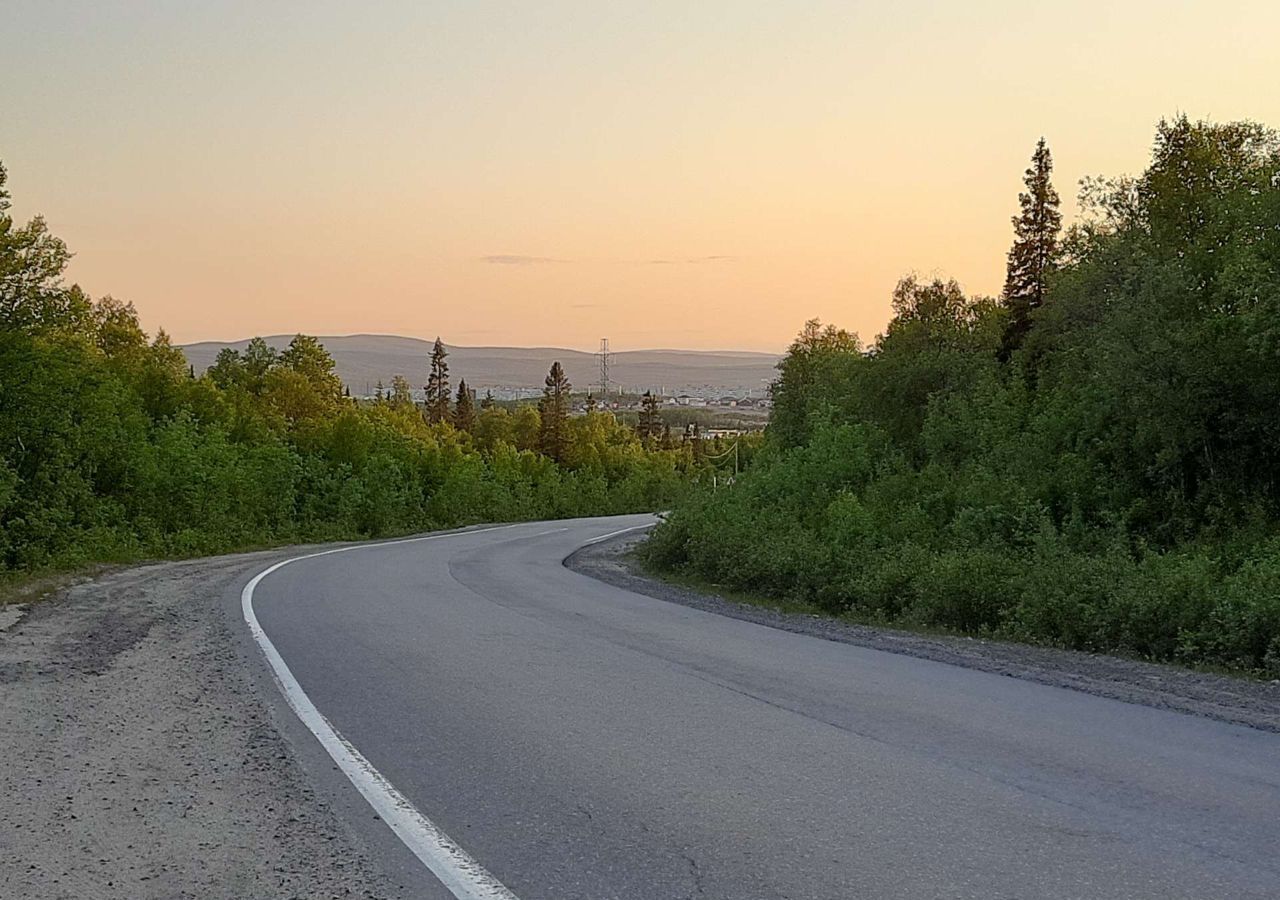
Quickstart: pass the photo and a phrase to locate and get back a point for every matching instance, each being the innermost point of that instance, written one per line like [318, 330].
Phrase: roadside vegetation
[1091, 460]
[113, 449]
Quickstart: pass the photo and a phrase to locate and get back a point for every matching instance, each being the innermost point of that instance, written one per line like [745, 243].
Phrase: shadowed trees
[553, 412]
[1123, 494]
[436, 407]
[649, 425]
[112, 448]
[464, 408]
[1035, 251]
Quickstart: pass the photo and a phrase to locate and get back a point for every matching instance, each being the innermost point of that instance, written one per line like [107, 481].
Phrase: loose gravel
[140, 759]
[1236, 700]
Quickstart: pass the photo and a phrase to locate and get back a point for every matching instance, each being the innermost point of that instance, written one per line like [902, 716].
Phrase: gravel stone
[140, 757]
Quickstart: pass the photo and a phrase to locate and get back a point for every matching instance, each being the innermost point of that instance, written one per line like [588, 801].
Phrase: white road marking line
[605, 537]
[465, 878]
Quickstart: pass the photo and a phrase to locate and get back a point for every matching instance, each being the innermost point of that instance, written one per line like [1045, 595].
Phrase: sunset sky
[675, 174]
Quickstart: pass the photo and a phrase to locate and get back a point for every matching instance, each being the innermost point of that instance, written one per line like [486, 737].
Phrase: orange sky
[700, 175]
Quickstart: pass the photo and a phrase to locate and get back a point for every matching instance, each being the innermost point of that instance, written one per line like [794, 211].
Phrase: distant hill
[364, 359]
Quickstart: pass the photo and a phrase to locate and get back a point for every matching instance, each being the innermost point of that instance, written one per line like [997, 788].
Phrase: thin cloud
[690, 260]
[511, 259]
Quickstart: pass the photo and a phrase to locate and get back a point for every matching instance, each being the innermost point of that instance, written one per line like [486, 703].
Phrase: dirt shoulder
[1235, 700]
[140, 756]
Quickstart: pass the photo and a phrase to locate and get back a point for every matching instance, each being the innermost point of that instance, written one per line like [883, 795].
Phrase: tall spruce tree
[1035, 251]
[553, 410]
[437, 387]
[650, 424]
[464, 408]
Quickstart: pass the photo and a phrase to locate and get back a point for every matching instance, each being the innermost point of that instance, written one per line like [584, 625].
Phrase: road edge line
[465, 878]
[613, 534]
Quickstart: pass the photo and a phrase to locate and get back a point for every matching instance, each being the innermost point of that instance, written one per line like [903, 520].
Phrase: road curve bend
[554, 737]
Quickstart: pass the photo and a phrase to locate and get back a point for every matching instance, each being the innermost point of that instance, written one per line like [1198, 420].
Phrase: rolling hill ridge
[362, 360]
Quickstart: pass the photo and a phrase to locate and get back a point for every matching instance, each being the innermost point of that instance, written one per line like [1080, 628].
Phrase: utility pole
[603, 358]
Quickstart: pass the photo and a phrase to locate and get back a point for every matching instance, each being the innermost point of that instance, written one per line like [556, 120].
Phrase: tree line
[1091, 459]
[113, 448]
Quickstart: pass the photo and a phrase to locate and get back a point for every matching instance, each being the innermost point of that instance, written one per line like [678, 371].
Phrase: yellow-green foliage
[111, 449]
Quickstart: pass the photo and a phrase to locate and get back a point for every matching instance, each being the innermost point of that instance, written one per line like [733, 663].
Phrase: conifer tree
[591, 402]
[437, 387]
[1035, 250]
[553, 410]
[377, 393]
[650, 423]
[488, 402]
[464, 408]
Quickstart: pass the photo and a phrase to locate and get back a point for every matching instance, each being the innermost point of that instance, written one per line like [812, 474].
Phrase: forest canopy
[112, 448]
[1091, 460]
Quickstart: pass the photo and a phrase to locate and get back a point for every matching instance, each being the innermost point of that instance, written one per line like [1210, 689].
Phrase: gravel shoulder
[1239, 701]
[141, 759]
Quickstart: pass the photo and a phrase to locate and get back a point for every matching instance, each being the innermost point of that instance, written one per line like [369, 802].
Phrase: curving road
[581, 741]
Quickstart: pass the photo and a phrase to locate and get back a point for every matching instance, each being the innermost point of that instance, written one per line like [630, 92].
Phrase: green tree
[493, 427]
[668, 442]
[1126, 499]
[553, 412]
[32, 263]
[400, 395]
[228, 369]
[1035, 251]
[309, 358]
[111, 449]
[259, 358]
[464, 408]
[437, 389]
[793, 392]
[526, 427]
[649, 425]
[488, 402]
[117, 332]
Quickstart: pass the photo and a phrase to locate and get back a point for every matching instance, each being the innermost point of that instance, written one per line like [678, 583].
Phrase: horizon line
[406, 337]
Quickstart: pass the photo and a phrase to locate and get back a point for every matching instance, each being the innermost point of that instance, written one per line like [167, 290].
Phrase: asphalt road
[582, 741]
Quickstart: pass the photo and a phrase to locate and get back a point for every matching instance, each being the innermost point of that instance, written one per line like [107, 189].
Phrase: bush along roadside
[1091, 460]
